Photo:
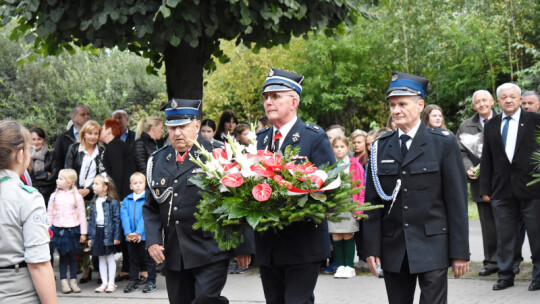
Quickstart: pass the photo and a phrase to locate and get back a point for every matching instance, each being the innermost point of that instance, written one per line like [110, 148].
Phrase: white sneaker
[348, 273]
[339, 272]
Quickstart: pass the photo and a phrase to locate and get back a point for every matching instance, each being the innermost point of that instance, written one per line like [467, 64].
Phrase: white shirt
[100, 216]
[285, 129]
[511, 137]
[88, 168]
[411, 133]
[137, 196]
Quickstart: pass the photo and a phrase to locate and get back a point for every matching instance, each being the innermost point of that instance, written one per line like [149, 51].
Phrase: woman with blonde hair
[84, 157]
[148, 139]
[432, 116]
[26, 274]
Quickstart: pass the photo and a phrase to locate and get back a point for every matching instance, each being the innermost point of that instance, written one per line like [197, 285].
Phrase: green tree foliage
[182, 34]
[461, 46]
[42, 91]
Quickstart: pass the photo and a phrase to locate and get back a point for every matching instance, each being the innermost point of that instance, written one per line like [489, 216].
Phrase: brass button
[406, 225]
[405, 208]
[403, 172]
[175, 181]
[404, 189]
[176, 194]
[177, 222]
[175, 208]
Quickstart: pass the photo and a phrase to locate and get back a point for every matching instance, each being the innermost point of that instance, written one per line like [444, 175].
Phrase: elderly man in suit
[483, 105]
[418, 174]
[290, 259]
[505, 169]
[195, 267]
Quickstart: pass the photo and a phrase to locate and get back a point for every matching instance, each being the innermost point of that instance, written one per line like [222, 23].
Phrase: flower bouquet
[243, 187]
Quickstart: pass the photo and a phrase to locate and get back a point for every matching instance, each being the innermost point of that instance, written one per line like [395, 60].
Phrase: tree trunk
[184, 67]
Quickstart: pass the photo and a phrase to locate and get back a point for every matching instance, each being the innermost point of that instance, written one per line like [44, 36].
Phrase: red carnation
[232, 180]
[261, 192]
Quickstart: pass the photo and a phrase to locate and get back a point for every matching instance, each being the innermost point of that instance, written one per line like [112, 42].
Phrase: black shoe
[121, 277]
[534, 286]
[515, 269]
[131, 286]
[149, 287]
[502, 284]
[142, 280]
[487, 271]
[87, 279]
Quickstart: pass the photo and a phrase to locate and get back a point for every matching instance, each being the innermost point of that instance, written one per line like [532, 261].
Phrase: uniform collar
[11, 174]
[412, 132]
[286, 128]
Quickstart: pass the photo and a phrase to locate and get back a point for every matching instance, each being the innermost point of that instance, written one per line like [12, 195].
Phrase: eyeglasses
[32, 150]
[274, 96]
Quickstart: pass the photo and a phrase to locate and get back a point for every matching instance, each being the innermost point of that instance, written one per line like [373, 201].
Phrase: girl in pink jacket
[67, 220]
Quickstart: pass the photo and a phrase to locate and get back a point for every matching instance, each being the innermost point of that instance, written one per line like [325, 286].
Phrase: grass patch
[473, 211]
[474, 267]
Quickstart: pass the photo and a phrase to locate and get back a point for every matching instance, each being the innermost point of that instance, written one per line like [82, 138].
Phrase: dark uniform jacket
[428, 221]
[501, 179]
[185, 248]
[471, 126]
[301, 242]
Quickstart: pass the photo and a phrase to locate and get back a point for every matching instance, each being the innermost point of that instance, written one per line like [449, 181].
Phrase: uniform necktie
[404, 138]
[505, 129]
[179, 158]
[275, 141]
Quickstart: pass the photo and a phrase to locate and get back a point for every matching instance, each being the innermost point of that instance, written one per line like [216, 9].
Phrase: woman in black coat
[117, 158]
[148, 140]
[43, 173]
[84, 157]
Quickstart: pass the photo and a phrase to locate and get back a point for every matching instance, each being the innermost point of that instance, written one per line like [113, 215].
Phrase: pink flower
[261, 192]
[281, 181]
[262, 171]
[232, 180]
[273, 162]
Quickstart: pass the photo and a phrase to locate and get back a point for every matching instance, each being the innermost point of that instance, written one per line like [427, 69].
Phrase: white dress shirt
[411, 133]
[285, 129]
[511, 137]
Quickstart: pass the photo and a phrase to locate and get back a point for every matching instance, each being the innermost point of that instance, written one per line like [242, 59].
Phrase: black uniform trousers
[200, 285]
[290, 284]
[508, 213]
[400, 286]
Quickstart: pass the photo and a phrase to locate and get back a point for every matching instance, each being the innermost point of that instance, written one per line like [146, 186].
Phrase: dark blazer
[184, 246]
[117, 160]
[111, 212]
[61, 147]
[471, 126]
[498, 178]
[144, 147]
[130, 140]
[429, 218]
[301, 242]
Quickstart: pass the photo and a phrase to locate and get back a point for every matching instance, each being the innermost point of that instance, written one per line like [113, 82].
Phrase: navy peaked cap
[278, 80]
[180, 111]
[404, 84]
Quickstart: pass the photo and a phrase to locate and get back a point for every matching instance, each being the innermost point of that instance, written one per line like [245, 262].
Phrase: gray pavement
[247, 289]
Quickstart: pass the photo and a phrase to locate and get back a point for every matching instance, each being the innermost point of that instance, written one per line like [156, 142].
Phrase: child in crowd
[104, 229]
[67, 221]
[342, 232]
[133, 224]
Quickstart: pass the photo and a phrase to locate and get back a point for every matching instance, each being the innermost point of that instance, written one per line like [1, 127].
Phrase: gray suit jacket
[471, 126]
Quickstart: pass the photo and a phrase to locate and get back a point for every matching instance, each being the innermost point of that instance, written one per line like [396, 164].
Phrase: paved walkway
[365, 289]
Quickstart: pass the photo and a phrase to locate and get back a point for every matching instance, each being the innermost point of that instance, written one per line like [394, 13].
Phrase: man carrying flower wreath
[195, 267]
[290, 259]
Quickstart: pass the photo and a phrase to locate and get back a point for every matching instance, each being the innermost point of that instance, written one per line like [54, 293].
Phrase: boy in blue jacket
[133, 224]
